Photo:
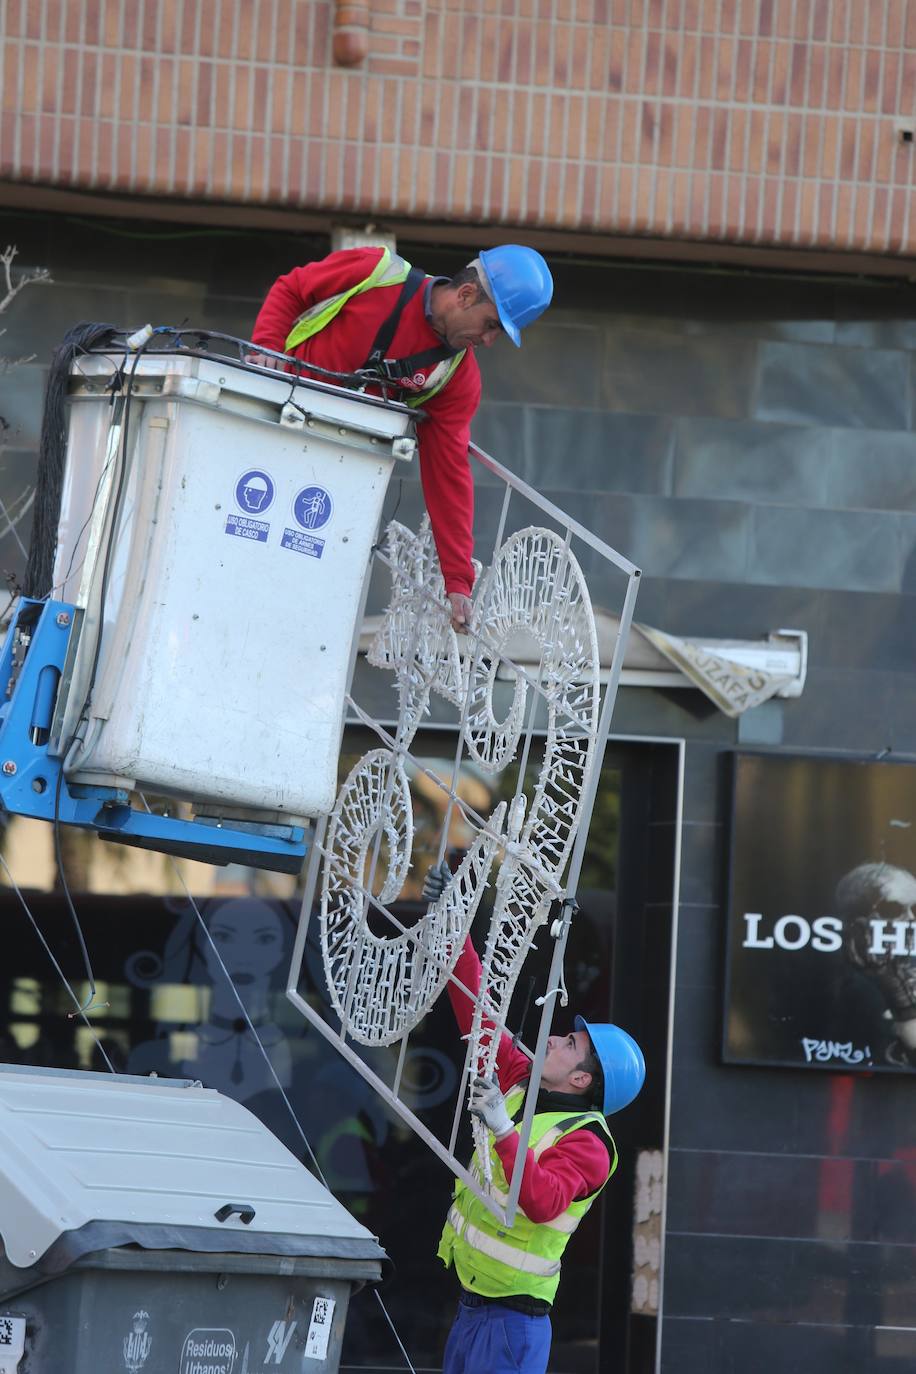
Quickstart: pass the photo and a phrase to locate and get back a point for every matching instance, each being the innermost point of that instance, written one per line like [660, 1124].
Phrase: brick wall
[757, 122]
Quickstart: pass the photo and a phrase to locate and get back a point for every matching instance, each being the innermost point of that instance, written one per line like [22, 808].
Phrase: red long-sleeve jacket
[344, 345]
[577, 1164]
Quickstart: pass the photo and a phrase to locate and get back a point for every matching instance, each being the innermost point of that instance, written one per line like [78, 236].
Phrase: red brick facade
[755, 122]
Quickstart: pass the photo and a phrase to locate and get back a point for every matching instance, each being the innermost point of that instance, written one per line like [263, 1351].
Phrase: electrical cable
[52, 454]
[80, 1010]
[115, 513]
[394, 1331]
[65, 886]
[272, 1071]
[118, 372]
[58, 586]
[525, 1009]
[58, 854]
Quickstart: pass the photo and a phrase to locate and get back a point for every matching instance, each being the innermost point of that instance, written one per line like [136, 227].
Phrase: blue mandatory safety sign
[313, 507]
[302, 543]
[254, 492]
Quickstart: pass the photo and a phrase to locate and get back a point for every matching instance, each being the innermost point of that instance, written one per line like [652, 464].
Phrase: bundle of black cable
[52, 454]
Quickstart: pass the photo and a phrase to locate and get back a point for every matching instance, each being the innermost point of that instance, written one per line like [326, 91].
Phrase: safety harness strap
[397, 369]
[415, 279]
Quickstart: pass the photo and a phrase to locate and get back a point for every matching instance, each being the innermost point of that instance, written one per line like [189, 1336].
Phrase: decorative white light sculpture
[382, 985]
[523, 691]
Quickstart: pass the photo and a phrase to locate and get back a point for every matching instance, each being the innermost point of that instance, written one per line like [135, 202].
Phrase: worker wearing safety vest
[509, 1276]
[367, 308]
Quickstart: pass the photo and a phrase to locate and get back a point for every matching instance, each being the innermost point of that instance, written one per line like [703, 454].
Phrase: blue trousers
[496, 1340]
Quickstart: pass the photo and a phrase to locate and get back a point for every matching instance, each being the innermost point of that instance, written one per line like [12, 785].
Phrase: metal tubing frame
[560, 928]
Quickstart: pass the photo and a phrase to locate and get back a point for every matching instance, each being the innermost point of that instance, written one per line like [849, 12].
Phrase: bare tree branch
[39, 275]
[12, 517]
[7, 364]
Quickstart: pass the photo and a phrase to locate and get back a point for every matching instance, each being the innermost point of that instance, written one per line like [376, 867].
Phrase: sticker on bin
[12, 1342]
[313, 508]
[254, 494]
[316, 1342]
[278, 1338]
[302, 543]
[138, 1343]
[208, 1350]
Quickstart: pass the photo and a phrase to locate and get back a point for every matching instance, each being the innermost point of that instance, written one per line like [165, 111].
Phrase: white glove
[488, 1103]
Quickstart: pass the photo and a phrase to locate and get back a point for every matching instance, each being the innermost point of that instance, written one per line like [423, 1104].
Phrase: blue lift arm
[33, 782]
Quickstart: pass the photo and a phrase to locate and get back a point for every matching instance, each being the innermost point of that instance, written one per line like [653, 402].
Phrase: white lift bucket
[216, 530]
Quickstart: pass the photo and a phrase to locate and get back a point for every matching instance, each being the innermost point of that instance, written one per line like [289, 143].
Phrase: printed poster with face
[821, 952]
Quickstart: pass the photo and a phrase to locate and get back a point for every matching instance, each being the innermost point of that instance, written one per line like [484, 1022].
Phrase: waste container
[215, 533]
[149, 1226]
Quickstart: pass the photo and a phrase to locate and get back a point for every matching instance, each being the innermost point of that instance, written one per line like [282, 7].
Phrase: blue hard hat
[621, 1060]
[520, 284]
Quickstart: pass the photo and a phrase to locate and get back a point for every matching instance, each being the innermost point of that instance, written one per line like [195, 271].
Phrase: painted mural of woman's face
[249, 936]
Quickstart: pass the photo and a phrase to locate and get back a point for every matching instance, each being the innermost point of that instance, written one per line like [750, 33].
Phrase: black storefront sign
[821, 944]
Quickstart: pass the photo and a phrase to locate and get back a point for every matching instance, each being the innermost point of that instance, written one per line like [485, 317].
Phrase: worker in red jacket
[368, 308]
[509, 1275]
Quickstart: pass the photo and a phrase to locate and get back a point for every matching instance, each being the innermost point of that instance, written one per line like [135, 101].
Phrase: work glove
[437, 879]
[488, 1103]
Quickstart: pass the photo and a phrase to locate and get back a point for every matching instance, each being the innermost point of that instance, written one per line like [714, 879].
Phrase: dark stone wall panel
[849, 550]
[823, 1198]
[844, 710]
[727, 610]
[750, 461]
[668, 374]
[872, 470]
[752, 1347]
[778, 1280]
[44, 314]
[700, 960]
[499, 430]
[598, 451]
[556, 366]
[814, 385]
[675, 538]
[21, 400]
[874, 631]
[876, 314]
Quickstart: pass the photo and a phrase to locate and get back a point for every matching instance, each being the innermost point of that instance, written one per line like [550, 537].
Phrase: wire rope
[80, 1009]
[272, 1071]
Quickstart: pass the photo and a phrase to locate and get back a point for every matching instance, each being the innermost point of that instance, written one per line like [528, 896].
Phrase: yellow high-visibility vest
[497, 1261]
[390, 270]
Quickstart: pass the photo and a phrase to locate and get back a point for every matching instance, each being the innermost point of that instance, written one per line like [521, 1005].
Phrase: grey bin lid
[89, 1161]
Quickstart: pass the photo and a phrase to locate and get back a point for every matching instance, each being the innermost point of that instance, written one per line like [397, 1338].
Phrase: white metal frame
[427, 656]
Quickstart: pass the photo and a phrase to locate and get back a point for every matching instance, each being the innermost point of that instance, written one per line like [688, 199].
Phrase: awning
[735, 674]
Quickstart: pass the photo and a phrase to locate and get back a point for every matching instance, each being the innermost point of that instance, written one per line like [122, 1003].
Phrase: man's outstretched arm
[512, 1066]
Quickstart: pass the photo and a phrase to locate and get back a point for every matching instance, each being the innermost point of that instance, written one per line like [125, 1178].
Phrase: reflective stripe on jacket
[496, 1260]
[390, 270]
